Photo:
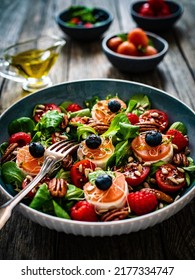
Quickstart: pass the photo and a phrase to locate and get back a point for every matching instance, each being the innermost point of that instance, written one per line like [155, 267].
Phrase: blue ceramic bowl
[156, 23]
[82, 33]
[78, 91]
[136, 64]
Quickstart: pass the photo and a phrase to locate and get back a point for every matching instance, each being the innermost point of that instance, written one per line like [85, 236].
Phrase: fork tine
[59, 144]
[63, 147]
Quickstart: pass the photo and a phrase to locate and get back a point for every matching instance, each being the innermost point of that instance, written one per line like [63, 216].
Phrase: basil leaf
[23, 124]
[41, 197]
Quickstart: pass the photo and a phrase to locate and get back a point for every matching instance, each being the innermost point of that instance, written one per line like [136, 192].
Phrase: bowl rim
[188, 195]
[101, 23]
[179, 11]
[135, 58]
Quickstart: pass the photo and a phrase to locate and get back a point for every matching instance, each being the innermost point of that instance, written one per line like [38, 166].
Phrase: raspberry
[142, 202]
[178, 138]
[83, 211]
[133, 118]
[21, 138]
[74, 107]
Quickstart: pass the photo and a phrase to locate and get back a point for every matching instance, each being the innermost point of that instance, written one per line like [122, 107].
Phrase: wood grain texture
[174, 238]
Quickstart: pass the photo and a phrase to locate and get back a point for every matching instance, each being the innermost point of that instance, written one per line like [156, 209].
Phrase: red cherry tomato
[156, 5]
[114, 42]
[133, 118]
[127, 48]
[74, 107]
[146, 10]
[78, 172]
[27, 181]
[135, 173]
[46, 107]
[21, 138]
[169, 178]
[155, 116]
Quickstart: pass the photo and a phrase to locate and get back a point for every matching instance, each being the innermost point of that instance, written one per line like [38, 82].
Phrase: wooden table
[173, 238]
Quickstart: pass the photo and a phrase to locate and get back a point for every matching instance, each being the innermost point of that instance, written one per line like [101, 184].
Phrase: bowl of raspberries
[156, 15]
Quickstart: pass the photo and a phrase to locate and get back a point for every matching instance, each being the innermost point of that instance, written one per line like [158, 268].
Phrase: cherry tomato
[127, 48]
[45, 107]
[150, 50]
[114, 42]
[21, 138]
[135, 173]
[133, 118]
[169, 178]
[165, 11]
[155, 116]
[32, 193]
[146, 10]
[138, 37]
[156, 5]
[25, 183]
[74, 107]
[79, 172]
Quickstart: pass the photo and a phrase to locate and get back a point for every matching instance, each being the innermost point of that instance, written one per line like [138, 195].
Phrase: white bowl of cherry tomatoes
[136, 51]
[156, 15]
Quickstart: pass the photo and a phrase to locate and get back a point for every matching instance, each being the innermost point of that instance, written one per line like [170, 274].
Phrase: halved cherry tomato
[21, 138]
[169, 178]
[27, 181]
[45, 107]
[79, 172]
[74, 107]
[135, 173]
[155, 116]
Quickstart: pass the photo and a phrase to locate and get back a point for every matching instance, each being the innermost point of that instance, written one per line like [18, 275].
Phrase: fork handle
[6, 209]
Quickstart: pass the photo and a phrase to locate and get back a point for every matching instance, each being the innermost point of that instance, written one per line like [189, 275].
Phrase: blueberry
[114, 105]
[36, 149]
[103, 182]
[93, 141]
[153, 138]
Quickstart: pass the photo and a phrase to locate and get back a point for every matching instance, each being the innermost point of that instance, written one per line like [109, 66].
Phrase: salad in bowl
[132, 161]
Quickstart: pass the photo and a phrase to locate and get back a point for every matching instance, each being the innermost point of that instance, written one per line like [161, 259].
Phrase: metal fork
[54, 154]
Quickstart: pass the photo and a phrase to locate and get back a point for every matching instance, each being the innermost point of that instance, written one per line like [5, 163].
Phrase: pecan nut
[57, 187]
[147, 126]
[64, 122]
[180, 159]
[115, 214]
[99, 127]
[10, 153]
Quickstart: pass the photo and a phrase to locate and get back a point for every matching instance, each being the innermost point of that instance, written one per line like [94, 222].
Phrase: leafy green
[121, 128]
[3, 147]
[136, 102]
[81, 113]
[41, 197]
[179, 126]
[121, 153]
[23, 124]
[83, 131]
[50, 121]
[74, 193]
[59, 211]
[84, 13]
[11, 174]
